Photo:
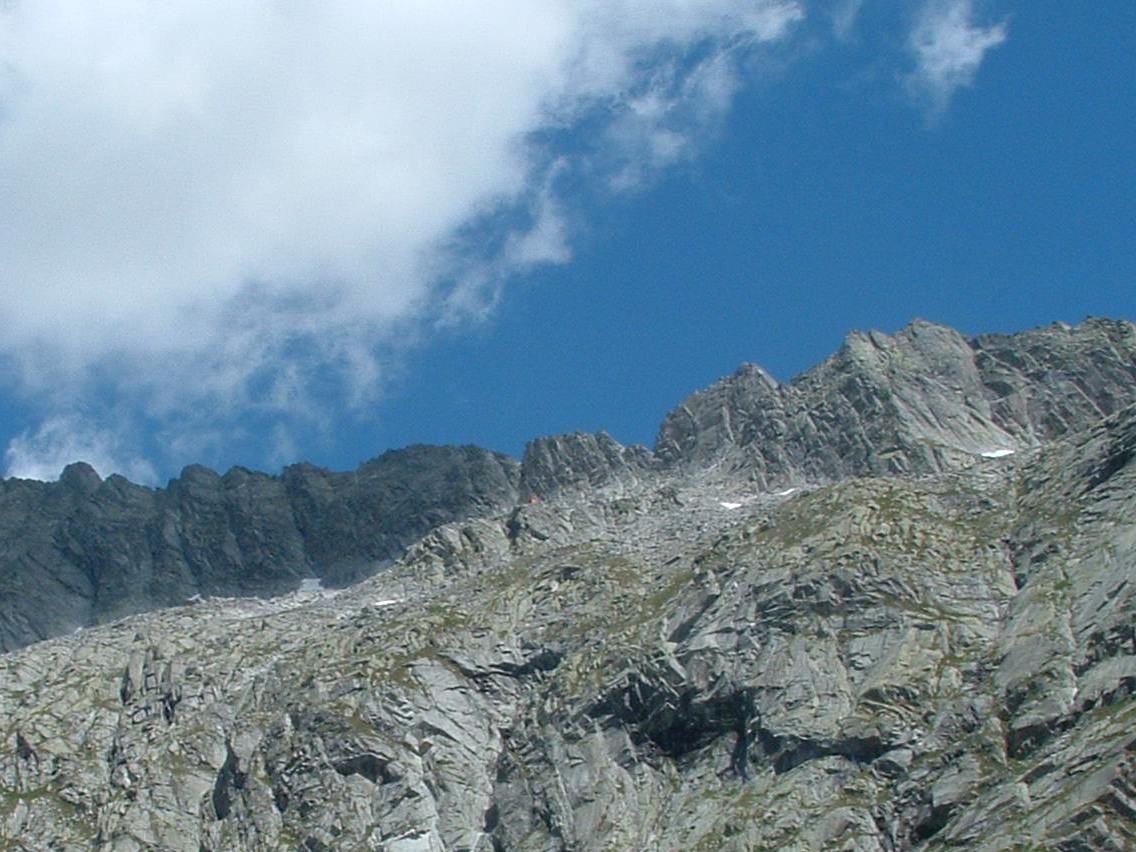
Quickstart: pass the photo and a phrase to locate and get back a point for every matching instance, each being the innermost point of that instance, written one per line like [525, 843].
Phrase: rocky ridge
[921, 401]
[728, 643]
[83, 551]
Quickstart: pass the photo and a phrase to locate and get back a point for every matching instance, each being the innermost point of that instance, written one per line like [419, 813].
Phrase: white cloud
[60, 440]
[215, 206]
[948, 48]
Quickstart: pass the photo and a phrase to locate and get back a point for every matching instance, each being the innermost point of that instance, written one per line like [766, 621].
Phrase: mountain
[888, 605]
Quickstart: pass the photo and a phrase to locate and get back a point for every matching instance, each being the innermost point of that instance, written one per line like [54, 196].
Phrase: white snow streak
[997, 454]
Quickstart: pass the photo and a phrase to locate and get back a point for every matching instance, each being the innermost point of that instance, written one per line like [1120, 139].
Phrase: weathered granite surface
[655, 654]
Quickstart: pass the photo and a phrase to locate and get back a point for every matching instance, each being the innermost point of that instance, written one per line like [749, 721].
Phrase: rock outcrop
[582, 462]
[660, 653]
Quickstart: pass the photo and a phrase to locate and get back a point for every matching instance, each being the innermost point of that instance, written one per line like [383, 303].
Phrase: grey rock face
[916, 402]
[652, 656]
[81, 551]
[582, 461]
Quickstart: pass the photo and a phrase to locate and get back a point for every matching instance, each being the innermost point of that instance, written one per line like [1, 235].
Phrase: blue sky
[527, 218]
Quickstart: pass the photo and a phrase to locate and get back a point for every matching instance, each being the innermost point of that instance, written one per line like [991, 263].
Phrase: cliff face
[886, 606]
[82, 551]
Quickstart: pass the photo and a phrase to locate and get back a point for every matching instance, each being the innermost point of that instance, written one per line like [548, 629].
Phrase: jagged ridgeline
[888, 605]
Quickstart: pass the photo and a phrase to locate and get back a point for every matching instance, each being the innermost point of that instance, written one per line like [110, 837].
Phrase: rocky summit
[886, 606]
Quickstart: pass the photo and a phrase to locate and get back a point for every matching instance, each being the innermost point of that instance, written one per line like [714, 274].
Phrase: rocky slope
[835, 614]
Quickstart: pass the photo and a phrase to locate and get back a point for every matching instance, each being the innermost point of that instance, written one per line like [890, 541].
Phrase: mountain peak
[919, 401]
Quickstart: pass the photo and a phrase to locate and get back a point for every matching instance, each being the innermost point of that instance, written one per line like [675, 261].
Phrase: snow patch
[997, 454]
[786, 492]
[726, 505]
[388, 602]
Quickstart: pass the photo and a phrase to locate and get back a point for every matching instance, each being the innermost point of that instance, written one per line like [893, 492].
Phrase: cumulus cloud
[948, 48]
[216, 207]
